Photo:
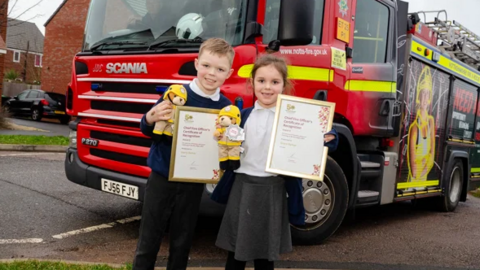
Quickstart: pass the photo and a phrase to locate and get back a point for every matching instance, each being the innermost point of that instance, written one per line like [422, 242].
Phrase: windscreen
[147, 24]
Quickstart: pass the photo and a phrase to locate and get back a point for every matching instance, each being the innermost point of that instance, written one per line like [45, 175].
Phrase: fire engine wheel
[453, 189]
[325, 206]
[36, 116]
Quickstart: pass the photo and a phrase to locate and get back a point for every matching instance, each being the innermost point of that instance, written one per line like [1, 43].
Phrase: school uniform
[165, 202]
[256, 223]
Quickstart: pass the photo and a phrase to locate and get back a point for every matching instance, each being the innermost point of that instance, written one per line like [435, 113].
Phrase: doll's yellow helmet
[231, 111]
[176, 89]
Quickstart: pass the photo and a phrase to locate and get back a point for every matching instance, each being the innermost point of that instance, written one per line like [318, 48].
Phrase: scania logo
[127, 68]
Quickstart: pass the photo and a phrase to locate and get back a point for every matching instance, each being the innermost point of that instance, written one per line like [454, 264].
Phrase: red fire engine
[406, 94]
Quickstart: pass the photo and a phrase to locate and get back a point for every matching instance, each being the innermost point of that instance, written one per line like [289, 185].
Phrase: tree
[12, 6]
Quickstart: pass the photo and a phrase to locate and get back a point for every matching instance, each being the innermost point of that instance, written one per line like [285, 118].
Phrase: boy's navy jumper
[165, 202]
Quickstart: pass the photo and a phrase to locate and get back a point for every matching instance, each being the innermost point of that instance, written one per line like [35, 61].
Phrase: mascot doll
[229, 136]
[177, 95]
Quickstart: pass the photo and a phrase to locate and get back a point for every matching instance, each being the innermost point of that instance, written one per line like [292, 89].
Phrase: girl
[256, 224]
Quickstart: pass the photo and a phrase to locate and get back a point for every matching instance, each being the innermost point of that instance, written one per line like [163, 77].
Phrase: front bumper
[90, 176]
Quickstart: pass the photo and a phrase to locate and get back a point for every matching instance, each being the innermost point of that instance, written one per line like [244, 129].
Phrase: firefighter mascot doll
[229, 136]
[177, 95]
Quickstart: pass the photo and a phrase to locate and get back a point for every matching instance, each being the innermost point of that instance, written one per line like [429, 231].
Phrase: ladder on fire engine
[455, 39]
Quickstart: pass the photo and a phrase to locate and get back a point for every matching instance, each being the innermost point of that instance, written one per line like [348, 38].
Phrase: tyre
[64, 120]
[36, 115]
[325, 205]
[453, 188]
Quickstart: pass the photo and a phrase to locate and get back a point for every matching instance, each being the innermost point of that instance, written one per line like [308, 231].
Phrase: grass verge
[36, 265]
[33, 140]
[476, 193]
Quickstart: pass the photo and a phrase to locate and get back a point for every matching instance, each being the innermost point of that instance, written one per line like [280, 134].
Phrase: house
[3, 36]
[24, 50]
[63, 39]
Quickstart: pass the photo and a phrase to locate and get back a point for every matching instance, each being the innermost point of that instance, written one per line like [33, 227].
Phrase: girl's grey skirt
[255, 224]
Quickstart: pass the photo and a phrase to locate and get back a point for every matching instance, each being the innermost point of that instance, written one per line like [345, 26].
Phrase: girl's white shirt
[258, 130]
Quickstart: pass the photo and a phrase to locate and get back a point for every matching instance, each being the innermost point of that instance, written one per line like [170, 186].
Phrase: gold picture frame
[299, 115]
[199, 141]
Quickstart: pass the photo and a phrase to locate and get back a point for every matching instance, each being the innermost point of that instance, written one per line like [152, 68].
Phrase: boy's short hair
[218, 46]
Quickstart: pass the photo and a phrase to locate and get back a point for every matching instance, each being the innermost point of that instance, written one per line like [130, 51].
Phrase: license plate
[121, 189]
[90, 142]
[59, 112]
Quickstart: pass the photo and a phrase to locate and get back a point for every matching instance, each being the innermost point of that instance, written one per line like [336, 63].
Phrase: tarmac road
[38, 203]
[47, 127]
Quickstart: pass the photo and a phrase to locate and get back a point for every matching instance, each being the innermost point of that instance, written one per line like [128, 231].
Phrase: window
[272, 21]
[23, 95]
[38, 60]
[33, 94]
[16, 56]
[371, 32]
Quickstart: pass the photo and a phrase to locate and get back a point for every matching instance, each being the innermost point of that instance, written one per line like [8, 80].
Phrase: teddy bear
[177, 95]
[229, 136]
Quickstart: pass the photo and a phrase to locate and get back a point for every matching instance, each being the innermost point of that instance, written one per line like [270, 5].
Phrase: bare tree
[12, 9]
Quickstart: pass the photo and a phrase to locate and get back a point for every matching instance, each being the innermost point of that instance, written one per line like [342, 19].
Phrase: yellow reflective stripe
[418, 184]
[419, 49]
[450, 65]
[445, 62]
[230, 143]
[475, 170]
[371, 86]
[296, 73]
[234, 158]
[223, 159]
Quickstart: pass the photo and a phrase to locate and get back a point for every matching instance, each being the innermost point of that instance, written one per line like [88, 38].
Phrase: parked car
[38, 104]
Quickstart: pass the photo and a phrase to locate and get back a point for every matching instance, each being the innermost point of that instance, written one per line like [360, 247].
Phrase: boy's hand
[329, 137]
[160, 112]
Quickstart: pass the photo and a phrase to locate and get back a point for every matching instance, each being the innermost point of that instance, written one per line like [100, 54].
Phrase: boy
[175, 202]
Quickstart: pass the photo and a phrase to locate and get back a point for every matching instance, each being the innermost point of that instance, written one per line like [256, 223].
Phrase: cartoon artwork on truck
[423, 126]
[421, 134]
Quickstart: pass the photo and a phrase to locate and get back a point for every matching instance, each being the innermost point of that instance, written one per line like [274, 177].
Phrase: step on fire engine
[406, 93]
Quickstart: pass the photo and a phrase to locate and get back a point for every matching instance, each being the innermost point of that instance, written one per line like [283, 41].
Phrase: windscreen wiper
[163, 43]
[119, 43]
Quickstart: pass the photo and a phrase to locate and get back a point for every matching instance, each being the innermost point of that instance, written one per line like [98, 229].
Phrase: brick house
[24, 50]
[3, 36]
[63, 39]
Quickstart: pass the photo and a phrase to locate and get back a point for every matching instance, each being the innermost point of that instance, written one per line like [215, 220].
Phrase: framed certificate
[297, 145]
[194, 149]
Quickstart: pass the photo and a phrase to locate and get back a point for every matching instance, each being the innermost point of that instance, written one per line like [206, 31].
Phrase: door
[372, 82]
[16, 104]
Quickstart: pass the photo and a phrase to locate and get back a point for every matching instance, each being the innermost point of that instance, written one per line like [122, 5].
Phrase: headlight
[73, 139]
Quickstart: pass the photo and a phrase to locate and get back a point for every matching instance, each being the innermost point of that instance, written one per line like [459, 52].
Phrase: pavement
[156, 268]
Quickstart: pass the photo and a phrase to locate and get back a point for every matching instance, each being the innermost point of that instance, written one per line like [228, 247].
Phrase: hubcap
[317, 199]
[455, 181]
[35, 114]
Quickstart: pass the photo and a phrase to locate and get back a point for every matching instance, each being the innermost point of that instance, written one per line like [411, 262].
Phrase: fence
[12, 89]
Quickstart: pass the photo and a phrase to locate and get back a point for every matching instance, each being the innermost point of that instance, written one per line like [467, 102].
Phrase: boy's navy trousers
[166, 203]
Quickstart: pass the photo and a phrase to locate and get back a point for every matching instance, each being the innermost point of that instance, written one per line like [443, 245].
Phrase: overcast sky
[464, 11]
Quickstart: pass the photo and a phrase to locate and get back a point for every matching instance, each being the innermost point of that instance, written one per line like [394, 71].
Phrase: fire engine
[406, 94]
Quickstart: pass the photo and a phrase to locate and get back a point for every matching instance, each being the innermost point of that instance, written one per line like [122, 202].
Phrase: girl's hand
[328, 138]
[161, 112]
